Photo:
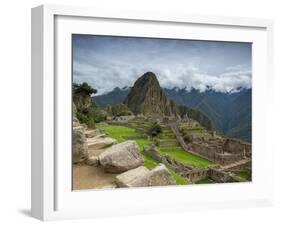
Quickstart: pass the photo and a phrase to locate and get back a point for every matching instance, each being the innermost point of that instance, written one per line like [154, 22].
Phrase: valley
[150, 140]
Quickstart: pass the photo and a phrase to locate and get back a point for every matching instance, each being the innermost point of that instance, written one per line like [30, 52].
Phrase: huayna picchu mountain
[230, 113]
[148, 98]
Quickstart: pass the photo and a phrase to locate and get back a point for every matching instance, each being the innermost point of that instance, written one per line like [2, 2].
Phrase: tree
[155, 129]
[83, 89]
[87, 111]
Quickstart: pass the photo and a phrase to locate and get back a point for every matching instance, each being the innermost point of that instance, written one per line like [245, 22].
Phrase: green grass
[179, 179]
[168, 139]
[119, 132]
[170, 148]
[242, 174]
[187, 158]
[205, 181]
[167, 131]
[149, 162]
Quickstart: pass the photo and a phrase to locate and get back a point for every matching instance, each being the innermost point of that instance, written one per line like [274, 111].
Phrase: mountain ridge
[230, 112]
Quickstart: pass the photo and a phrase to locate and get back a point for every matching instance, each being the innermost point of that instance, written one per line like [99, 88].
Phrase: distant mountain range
[230, 113]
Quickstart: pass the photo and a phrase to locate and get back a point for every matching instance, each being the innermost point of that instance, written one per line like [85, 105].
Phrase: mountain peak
[148, 98]
[147, 78]
[149, 75]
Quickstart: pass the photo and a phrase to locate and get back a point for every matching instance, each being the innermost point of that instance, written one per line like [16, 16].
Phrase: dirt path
[91, 177]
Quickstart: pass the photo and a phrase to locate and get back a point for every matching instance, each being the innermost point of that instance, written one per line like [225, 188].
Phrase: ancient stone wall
[220, 176]
[182, 169]
[197, 175]
[178, 135]
[227, 156]
[235, 146]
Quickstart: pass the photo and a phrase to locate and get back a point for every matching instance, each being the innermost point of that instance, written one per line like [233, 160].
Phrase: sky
[106, 62]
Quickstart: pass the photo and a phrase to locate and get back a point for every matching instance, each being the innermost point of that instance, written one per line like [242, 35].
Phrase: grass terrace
[193, 130]
[243, 174]
[121, 134]
[185, 157]
[206, 181]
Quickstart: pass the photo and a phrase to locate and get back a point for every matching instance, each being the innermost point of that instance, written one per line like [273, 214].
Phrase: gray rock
[75, 122]
[100, 142]
[79, 144]
[142, 177]
[92, 133]
[93, 161]
[121, 157]
[131, 178]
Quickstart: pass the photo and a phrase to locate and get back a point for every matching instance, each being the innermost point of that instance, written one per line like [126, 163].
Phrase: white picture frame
[52, 197]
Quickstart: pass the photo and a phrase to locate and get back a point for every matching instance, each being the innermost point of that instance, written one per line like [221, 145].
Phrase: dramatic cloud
[107, 62]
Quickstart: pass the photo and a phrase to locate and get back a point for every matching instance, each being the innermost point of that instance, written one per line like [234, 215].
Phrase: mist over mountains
[230, 112]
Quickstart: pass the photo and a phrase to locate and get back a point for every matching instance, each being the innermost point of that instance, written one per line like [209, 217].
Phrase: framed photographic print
[144, 113]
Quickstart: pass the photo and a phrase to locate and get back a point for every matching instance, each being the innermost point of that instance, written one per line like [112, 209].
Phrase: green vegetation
[83, 89]
[196, 115]
[243, 174]
[205, 181]
[149, 162]
[118, 110]
[85, 119]
[117, 132]
[155, 129]
[186, 157]
[85, 109]
[179, 179]
[188, 130]
[121, 132]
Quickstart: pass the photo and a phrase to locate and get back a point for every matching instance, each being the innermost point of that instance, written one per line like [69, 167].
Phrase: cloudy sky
[107, 62]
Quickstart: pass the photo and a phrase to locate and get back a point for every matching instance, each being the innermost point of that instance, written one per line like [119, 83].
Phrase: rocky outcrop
[92, 133]
[121, 157]
[148, 98]
[99, 142]
[92, 161]
[131, 178]
[142, 177]
[79, 142]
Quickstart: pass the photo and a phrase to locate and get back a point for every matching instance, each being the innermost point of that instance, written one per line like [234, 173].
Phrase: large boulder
[131, 178]
[79, 144]
[100, 142]
[92, 133]
[121, 157]
[142, 177]
[92, 161]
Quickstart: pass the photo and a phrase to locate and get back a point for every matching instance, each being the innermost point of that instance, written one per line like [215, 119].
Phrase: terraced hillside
[123, 133]
[166, 143]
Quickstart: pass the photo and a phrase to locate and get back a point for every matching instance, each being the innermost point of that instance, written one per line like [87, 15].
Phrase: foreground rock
[100, 142]
[121, 157]
[92, 161]
[79, 143]
[142, 177]
[92, 133]
[132, 177]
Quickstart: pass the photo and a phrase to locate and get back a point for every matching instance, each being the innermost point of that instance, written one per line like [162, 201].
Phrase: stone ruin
[190, 172]
[221, 150]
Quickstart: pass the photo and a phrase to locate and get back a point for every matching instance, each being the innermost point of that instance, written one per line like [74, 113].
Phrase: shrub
[119, 110]
[83, 118]
[83, 89]
[155, 129]
[187, 138]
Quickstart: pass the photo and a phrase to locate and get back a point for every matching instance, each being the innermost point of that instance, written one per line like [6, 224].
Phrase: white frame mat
[52, 196]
